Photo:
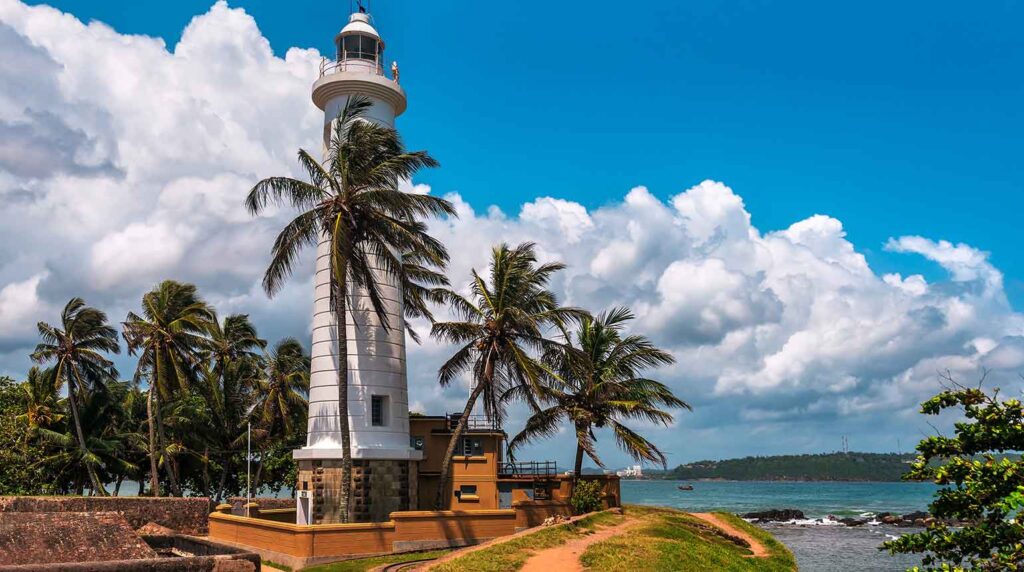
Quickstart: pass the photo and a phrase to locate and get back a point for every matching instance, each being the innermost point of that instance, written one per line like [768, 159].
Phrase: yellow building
[481, 476]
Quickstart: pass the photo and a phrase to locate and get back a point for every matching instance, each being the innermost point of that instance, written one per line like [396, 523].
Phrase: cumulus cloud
[124, 161]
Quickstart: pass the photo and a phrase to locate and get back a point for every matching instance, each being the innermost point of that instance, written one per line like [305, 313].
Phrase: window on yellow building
[467, 493]
[472, 447]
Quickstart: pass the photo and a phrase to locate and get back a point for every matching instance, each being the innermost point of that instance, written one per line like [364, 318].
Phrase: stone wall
[185, 515]
[379, 487]
[49, 538]
[105, 542]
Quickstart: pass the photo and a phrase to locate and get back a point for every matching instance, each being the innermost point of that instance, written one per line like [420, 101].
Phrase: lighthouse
[384, 462]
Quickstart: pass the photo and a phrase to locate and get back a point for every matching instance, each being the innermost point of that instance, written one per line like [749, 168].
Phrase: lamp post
[248, 457]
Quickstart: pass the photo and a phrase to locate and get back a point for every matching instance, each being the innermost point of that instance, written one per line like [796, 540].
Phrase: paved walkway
[758, 549]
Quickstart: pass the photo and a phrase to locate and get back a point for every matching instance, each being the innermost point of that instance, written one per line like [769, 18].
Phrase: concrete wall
[534, 513]
[238, 504]
[299, 545]
[611, 495]
[186, 515]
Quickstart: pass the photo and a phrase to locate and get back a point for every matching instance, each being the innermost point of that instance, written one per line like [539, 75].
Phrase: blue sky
[893, 117]
[641, 143]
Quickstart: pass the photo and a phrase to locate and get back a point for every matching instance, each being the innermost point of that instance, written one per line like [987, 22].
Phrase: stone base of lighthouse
[379, 487]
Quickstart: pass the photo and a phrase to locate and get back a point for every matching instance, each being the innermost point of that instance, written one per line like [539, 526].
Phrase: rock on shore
[775, 515]
[917, 518]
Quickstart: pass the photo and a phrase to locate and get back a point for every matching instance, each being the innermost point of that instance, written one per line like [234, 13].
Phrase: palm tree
[233, 341]
[352, 203]
[228, 398]
[170, 339]
[109, 431]
[42, 394]
[423, 284]
[598, 382]
[283, 393]
[77, 347]
[503, 324]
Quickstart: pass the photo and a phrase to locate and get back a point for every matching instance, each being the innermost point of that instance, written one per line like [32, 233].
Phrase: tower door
[504, 495]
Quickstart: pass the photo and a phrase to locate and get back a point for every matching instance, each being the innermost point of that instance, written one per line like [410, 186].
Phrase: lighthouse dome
[359, 23]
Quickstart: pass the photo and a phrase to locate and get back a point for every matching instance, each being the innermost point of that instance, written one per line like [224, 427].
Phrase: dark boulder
[849, 521]
[775, 515]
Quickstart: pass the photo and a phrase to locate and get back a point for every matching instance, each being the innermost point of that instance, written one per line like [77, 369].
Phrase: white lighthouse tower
[384, 462]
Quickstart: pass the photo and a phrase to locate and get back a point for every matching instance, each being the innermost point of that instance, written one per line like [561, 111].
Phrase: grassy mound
[673, 540]
[665, 539]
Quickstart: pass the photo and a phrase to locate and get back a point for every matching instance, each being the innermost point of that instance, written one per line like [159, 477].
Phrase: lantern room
[359, 45]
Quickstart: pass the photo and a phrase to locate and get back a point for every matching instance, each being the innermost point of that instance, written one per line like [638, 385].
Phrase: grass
[276, 565]
[510, 556]
[673, 540]
[363, 564]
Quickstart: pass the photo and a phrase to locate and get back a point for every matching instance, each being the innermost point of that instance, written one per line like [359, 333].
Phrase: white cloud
[20, 308]
[571, 218]
[964, 262]
[124, 161]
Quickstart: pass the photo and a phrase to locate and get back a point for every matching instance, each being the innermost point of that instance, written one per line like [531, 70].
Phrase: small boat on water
[685, 487]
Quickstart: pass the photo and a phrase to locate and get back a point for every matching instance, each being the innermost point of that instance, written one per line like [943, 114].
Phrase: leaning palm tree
[598, 382]
[78, 348]
[232, 341]
[352, 204]
[228, 399]
[170, 338]
[504, 323]
[282, 394]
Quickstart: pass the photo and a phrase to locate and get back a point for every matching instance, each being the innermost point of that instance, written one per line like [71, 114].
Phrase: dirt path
[566, 558]
[758, 549]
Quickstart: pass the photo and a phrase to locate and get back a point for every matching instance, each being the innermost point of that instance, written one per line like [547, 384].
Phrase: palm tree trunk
[168, 464]
[340, 287]
[443, 497]
[154, 472]
[117, 485]
[578, 472]
[161, 437]
[259, 474]
[97, 486]
[206, 472]
[223, 478]
[164, 451]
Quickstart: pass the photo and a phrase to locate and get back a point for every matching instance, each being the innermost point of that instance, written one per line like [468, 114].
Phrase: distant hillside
[822, 467]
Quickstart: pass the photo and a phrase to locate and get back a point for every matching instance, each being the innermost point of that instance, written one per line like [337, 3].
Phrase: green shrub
[586, 497]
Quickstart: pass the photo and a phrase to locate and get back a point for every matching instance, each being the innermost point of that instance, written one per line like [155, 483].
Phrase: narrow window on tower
[378, 410]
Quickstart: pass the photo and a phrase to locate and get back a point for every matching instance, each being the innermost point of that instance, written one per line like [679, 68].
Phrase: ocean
[817, 547]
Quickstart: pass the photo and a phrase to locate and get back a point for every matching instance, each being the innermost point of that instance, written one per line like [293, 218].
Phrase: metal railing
[473, 422]
[328, 67]
[528, 469]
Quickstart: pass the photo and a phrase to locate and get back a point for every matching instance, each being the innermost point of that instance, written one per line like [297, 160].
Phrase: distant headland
[841, 466]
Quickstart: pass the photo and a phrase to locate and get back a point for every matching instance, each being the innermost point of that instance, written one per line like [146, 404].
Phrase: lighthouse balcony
[342, 78]
[329, 67]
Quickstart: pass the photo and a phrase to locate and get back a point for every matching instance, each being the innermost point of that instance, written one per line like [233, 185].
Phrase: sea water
[818, 547]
